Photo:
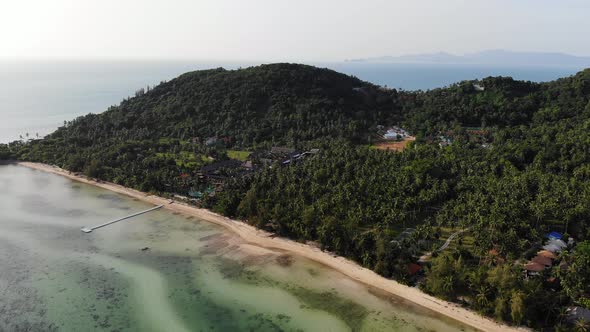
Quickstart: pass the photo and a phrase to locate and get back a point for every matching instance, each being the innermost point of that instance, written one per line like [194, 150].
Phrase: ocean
[36, 97]
[165, 271]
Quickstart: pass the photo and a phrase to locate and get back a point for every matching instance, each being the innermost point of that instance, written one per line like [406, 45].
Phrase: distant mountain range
[490, 57]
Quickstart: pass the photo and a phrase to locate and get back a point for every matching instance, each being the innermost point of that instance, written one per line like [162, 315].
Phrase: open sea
[36, 97]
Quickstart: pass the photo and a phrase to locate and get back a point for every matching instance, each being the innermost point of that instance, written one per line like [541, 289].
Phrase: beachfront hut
[546, 253]
[545, 261]
[532, 268]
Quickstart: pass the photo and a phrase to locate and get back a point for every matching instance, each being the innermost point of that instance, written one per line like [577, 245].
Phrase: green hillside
[508, 160]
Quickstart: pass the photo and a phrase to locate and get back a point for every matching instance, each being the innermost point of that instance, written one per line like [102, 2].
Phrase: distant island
[489, 57]
[477, 193]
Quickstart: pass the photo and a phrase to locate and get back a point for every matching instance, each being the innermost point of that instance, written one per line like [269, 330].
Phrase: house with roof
[248, 164]
[545, 261]
[444, 141]
[211, 141]
[533, 269]
[395, 133]
[555, 246]
[198, 194]
[554, 236]
[548, 254]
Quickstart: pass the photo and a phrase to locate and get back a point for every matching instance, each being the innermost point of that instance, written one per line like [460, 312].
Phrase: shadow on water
[352, 313]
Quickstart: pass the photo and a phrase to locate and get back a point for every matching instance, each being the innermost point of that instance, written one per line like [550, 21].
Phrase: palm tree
[482, 296]
[448, 284]
[581, 325]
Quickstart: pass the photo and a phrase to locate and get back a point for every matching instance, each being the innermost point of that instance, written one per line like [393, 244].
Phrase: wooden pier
[90, 229]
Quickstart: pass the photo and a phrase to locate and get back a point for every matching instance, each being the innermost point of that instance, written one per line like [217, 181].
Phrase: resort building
[395, 133]
[533, 269]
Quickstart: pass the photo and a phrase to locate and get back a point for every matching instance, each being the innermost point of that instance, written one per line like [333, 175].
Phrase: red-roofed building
[413, 268]
[533, 269]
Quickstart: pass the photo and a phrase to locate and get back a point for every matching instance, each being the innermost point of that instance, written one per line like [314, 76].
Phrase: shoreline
[264, 239]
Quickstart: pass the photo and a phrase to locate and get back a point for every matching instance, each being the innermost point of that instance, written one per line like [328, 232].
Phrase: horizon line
[262, 60]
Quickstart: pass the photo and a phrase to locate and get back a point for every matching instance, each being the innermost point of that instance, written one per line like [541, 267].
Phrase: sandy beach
[264, 239]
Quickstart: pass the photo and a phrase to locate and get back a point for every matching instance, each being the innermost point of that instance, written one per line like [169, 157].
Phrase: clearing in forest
[393, 145]
[239, 155]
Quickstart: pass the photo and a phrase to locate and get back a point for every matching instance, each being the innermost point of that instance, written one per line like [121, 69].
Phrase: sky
[287, 30]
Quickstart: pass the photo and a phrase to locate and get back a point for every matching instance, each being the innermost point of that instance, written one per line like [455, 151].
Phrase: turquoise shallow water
[195, 276]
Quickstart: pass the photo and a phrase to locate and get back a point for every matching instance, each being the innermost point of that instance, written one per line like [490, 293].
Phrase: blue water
[430, 76]
[36, 97]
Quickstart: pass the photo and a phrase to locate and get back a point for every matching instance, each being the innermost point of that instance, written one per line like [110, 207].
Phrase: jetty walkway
[90, 229]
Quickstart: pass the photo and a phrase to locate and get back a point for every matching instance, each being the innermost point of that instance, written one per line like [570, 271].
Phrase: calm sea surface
[36, 97]
[195, 276]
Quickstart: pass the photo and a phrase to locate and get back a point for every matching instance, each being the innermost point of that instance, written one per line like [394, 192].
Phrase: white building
[395, 133]
[478, 87]
[555, 245]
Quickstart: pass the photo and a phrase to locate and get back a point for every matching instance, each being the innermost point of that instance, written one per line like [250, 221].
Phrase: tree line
[379, 208]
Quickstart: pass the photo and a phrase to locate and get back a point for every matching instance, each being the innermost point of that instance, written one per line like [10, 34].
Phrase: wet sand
[262, 239]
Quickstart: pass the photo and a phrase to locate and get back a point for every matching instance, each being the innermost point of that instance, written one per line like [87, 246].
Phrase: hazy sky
[297, 30]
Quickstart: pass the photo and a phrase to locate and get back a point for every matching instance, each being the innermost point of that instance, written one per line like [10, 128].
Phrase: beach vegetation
[513, 167]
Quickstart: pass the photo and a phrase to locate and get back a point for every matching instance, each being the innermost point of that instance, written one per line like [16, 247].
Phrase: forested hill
[278, 103]
[287, 104]
[504, 102]
[506, 161]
